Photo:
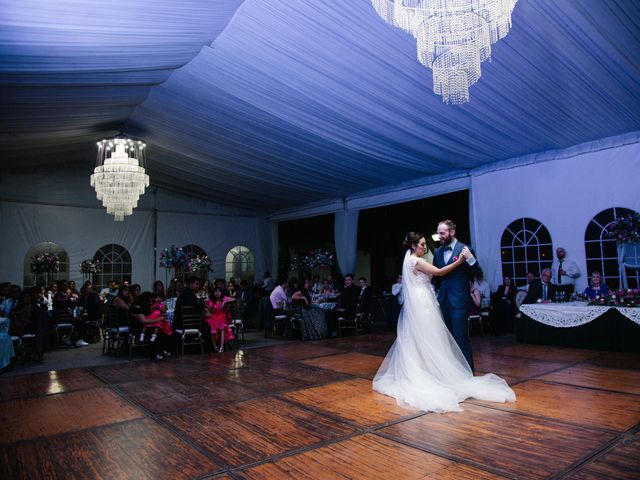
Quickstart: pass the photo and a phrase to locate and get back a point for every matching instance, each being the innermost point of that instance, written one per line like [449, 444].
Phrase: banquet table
[575, 324]
[313, 321]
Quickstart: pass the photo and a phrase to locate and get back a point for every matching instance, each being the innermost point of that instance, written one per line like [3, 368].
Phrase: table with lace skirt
[575, 324]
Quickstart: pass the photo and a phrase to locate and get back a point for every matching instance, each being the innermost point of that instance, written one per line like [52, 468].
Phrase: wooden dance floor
[306, 410]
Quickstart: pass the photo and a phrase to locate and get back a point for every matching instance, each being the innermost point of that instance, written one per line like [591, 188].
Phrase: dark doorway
[382, 230]
[297, 237]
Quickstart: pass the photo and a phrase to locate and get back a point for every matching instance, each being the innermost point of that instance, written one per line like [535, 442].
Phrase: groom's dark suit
[455, 299]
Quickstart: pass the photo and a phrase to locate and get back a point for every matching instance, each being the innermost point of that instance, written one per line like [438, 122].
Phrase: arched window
[182, 272]
[116, 265]
[525, 247]
[601, 252]
[239, 264]
[31, 278]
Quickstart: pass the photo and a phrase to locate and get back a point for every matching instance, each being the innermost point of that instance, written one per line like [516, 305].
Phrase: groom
[453, 296]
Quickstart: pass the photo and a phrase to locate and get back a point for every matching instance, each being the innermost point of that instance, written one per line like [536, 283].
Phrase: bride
[425, 367]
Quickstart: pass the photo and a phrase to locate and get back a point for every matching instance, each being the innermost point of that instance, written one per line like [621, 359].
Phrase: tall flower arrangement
[199, 263]
[315, 258]
[45, 263]
[625, 229]
[173, 257]
[88, 267]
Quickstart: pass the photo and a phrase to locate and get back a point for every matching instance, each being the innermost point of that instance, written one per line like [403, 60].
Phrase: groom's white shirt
[447, 254]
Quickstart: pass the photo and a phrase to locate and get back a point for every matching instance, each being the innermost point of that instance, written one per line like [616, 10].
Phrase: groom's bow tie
[448, 248]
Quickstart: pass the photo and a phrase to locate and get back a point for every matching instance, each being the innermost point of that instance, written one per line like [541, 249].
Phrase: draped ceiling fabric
[271, 105]
[266, 104]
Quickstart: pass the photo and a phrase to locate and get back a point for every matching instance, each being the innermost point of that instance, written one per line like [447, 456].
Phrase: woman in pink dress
[218, 318]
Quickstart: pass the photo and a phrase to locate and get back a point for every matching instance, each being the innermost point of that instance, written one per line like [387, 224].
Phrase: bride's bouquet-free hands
[465, 255]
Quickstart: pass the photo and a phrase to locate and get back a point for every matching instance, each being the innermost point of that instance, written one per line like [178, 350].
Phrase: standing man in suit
[453, 295]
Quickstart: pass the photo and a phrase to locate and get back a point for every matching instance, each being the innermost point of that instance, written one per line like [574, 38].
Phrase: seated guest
[333, 285]
[218, 316]
[114, 285]
[140, 312]
[596, 287]
[73, 290]
[220, 283]
[11, 301]
[482, 286]
[346, 305]
[530, 278]
[32, 318]
[123, 298]
[89, 301]
[365, 298]
[278, 295]
[541, 290]
[176, 288]
[476, 299]
[292, 287]
[187, 298]
[301, 297]
[504, 305]
[268, 284]
[134, 291]
[232, 290]
[4, 290]
[159, 290]
[326, 289]
[316, 284]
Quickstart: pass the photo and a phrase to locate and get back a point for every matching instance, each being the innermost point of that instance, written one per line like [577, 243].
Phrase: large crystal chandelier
[453, 37]
[119, 177]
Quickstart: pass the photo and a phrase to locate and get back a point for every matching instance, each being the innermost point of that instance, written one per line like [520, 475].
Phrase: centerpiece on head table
[625, 230]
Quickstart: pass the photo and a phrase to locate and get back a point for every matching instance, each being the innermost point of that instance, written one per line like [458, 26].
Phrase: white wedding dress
[425, 367]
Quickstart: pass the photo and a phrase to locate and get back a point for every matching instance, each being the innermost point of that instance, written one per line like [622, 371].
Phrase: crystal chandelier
[453, 37]
[119, 177]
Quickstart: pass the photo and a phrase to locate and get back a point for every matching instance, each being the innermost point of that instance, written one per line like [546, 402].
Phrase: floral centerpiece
[173, 257]
[622, 298]
[625, 229]
[199, 263]
[89, 266]
[315, 258]
[45, 263]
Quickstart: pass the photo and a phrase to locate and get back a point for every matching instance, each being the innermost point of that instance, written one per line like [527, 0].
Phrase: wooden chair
[134, 337]
[63, 326]
[116, 332]
[357, 324]
[295, 322]
[237, 325]
[189, 328]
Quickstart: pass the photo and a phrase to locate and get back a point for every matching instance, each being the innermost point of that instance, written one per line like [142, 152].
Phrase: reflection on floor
[306, 410]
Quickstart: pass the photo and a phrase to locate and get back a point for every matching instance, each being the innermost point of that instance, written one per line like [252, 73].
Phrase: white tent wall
[564, 191]
[60, 206]
[216, 236]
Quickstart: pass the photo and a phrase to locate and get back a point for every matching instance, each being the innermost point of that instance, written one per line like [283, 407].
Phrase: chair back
[191, 318]
[520, 296]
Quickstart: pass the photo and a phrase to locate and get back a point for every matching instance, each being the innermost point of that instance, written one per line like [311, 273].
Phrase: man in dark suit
[187, 298]
[364, 298]
[541, 290]
[453, 296]
[346, 306]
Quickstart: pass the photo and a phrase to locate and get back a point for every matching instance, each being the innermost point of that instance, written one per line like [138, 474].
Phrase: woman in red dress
[218, 318]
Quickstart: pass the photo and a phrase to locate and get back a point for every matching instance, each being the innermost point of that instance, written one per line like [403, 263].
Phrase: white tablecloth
[572, 314]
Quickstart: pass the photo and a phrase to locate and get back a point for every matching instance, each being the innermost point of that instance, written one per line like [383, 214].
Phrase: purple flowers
[45, 263]
[625, 229]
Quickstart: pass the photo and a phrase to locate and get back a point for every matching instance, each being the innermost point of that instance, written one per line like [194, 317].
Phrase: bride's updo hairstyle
[411, 240]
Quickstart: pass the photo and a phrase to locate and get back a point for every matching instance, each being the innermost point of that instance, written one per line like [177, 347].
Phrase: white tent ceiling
[268, 104]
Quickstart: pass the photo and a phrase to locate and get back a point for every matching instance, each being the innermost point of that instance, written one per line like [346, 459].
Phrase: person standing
[564, 271]
[453, 295]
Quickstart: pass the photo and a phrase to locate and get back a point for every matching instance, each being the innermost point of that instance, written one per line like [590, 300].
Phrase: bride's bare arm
[430, 269]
